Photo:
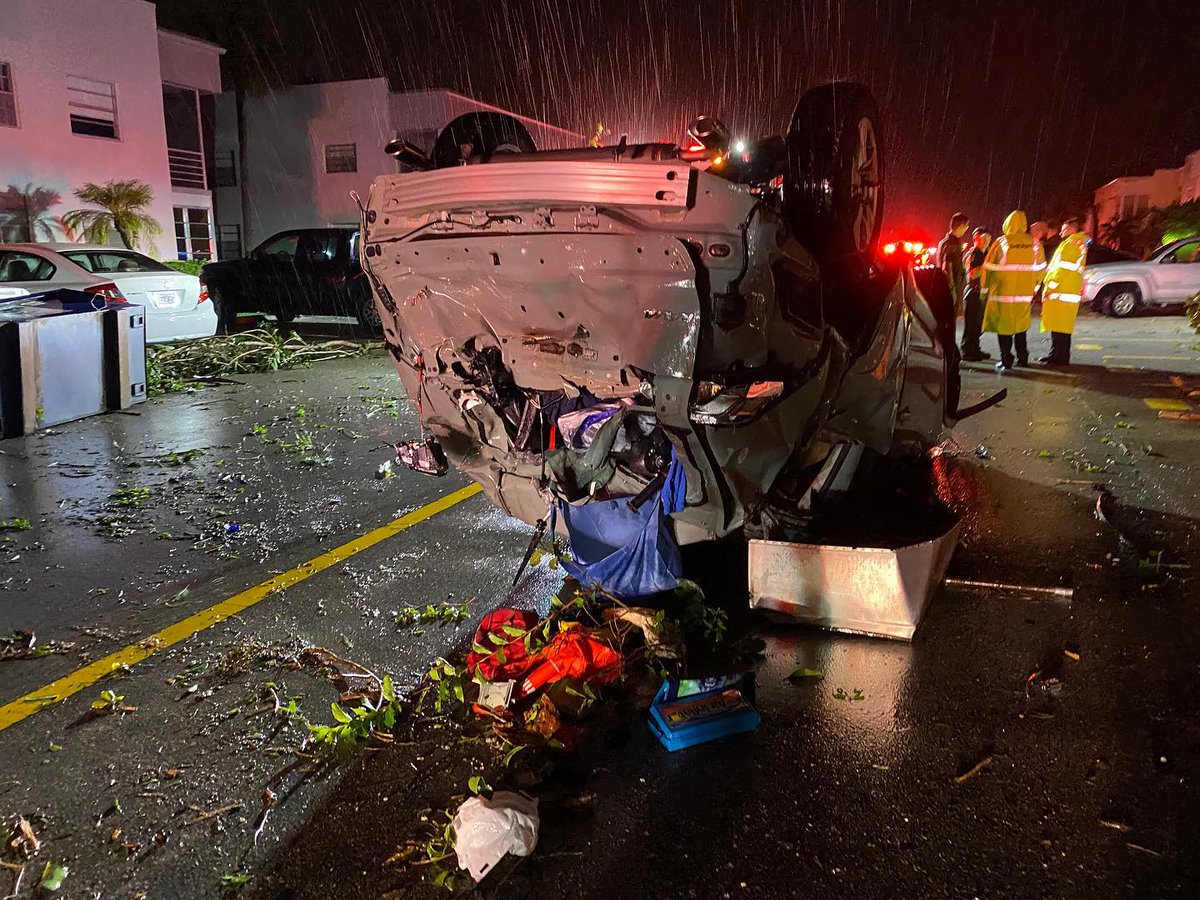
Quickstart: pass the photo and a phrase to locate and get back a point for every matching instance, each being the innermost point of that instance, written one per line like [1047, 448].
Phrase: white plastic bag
[487, 829]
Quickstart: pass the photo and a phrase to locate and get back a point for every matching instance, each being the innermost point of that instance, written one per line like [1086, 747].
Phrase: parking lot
[181, 556]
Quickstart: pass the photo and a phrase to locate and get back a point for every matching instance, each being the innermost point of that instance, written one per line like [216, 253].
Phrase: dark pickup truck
[303, 272]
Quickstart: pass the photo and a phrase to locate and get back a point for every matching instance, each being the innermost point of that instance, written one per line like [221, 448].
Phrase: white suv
[1171, 274]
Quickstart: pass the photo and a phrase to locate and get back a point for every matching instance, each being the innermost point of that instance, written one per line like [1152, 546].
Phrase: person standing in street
[950, 259]
[1062, 291]
[1012, 271]
[973, 258]
[1050, 240]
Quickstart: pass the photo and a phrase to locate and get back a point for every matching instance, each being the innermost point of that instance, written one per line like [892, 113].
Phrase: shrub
[186, 266]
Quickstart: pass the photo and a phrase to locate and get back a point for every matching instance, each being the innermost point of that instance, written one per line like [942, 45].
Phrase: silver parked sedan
[176, 306]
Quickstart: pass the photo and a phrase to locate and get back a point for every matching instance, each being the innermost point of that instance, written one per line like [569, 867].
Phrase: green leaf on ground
[802, 674]
[53, 876]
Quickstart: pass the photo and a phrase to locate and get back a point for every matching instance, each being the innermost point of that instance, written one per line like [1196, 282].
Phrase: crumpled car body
[675, 301]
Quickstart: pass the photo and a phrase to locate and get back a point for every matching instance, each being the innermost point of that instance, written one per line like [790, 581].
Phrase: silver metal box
[863, 590]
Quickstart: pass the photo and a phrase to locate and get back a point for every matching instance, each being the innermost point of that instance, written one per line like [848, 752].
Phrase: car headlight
[718, 404]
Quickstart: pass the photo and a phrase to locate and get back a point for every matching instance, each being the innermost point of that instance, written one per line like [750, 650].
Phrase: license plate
[166, 299]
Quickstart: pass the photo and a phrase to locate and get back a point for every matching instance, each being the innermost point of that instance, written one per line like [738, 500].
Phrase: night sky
[987, 106]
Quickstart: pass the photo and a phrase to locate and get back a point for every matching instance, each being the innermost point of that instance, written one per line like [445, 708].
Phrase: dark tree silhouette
[24, 213]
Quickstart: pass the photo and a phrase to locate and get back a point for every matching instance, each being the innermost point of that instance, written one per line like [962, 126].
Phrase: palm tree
[122, 208]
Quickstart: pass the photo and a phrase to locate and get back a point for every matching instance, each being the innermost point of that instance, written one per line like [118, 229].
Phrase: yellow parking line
[1126, 356]
[1160, 403]
[80, 679]
[1088, 347]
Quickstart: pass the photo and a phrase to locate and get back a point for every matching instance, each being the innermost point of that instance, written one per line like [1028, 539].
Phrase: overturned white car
[569, 322]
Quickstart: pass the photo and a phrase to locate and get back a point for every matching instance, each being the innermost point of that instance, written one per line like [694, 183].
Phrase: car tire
[833, 182]
[1120, 301]
[478, 136]
[366, 311]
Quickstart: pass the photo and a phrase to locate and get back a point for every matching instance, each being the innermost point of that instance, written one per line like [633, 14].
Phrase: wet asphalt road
[1090, 793]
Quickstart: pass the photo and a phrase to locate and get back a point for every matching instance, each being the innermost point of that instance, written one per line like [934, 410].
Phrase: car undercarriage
[569, 323]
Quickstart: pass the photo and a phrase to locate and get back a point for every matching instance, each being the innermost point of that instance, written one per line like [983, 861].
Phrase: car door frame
[275, 281]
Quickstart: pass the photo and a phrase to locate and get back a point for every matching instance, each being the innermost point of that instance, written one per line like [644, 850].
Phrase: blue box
[680, 722]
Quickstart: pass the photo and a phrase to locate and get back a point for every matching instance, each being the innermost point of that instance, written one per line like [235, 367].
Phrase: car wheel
[367, 313]
[1125, 301]
[833, 184]
[479, 136]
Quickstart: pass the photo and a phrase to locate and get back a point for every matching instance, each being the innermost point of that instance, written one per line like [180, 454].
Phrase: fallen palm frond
[172, 367]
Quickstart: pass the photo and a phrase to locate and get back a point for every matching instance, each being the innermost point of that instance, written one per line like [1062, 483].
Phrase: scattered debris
[24, 842]
[664, 638]
[23, 645]
[1044, 683]
[19, 874]
[425, 456]
[685, 721]
[1115, 825]
[53, 876]
[233, 883]
[206, 815]
[173, 367]
[1015, 588]
[268, 802]
[108, 703]
[371, 719]
[1141, 849]
[441, 613]
[984, 763]
[485, 830]
[806, 674]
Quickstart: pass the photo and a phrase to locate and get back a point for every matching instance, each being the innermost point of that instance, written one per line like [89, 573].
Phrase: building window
[225, 169]
[93, 107]
[8, 96]
[193, 233]
[229, 241]
[341, 158]
[1134, 204]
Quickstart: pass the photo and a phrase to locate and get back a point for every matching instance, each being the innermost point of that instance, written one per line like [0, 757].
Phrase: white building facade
[1127, 197]
[93, 91]
[306, 148]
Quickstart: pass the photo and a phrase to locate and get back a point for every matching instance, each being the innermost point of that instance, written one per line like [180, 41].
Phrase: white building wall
[1143, 191]
[286, 135]
[186, 61]
[1189, 178]
[46, 40]
[114, 41]
[287, 132]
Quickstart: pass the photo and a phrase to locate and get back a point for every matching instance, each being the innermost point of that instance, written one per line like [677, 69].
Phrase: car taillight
[107, 290]
[718, 404]
[203, 298]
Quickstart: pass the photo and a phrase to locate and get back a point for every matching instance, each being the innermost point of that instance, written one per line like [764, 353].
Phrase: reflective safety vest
[1012, 270]
[1063, 287]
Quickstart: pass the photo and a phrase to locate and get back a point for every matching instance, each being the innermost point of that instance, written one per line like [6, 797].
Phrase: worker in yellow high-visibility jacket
[1062, 290]
[1012, 272]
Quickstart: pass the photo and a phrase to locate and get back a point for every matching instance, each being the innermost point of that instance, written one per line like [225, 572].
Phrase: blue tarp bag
[629, 553]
